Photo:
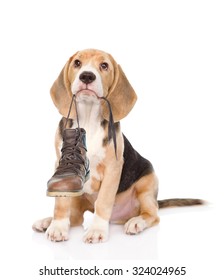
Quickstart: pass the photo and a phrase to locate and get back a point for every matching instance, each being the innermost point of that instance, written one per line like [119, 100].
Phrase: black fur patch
[104, 123]
[135, 167]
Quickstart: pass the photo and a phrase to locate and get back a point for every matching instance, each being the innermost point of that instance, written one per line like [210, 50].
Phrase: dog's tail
[179, 202]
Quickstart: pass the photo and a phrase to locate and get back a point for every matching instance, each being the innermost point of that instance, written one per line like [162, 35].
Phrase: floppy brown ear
[121, 96]
[61, 93]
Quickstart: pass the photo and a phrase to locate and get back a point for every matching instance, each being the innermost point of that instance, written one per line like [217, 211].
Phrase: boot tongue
[71, 135]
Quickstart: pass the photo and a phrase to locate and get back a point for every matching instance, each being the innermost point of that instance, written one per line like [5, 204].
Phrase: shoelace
[71, 160]
[111, 127]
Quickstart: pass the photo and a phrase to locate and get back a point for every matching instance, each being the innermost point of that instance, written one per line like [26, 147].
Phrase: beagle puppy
[121, 189]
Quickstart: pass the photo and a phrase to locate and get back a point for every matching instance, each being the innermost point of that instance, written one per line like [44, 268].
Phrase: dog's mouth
[86, 91]
[87, 94]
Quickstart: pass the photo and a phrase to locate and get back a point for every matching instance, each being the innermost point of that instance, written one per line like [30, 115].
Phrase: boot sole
[65, 194]
[69, 193]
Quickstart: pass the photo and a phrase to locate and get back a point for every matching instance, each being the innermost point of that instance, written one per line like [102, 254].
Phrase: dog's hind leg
[42, 225]
[146, 194]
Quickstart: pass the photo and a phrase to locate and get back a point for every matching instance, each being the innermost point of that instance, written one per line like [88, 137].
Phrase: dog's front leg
[99, 230]
[60, 224]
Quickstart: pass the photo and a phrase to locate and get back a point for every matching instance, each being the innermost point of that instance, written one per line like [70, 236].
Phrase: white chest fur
[89, 119]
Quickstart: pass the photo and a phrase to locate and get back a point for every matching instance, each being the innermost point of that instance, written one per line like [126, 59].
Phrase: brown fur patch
[78, 206]
[95, 184]
[62, 207]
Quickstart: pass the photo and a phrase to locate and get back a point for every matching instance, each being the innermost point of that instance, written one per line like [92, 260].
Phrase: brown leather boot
[73, 169]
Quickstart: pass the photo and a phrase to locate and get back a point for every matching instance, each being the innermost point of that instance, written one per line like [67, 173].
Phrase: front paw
[58, 230]
[98, 231]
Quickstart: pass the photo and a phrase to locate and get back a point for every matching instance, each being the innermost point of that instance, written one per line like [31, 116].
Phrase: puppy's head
[91, 74]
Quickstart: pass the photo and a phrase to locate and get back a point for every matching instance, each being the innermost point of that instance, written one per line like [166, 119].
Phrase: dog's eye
[77, 63]
[104, 66]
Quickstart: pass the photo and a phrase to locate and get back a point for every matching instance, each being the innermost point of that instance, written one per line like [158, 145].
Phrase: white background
[172, 53]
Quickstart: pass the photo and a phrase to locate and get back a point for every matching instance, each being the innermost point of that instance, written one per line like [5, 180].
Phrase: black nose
[87, 77]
